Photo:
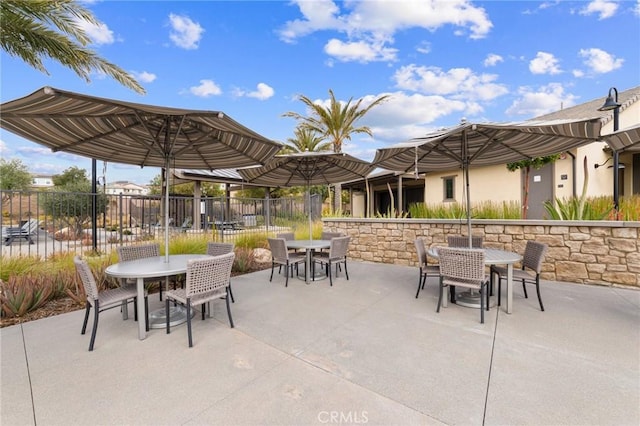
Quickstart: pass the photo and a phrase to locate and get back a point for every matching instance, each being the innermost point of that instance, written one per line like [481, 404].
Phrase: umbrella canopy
[485, 144]
[307, 168]
[626, 140]
[131, 133]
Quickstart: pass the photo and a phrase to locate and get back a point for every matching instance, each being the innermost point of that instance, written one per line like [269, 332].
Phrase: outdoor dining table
[491, 257]
[310, 246]
[151, 267]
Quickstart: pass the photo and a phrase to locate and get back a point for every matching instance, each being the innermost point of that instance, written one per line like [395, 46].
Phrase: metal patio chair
[426, 269]
[463, 267]
[281, 256]
[103, 300]
[534, 253]
[217, 249]
[207, 280]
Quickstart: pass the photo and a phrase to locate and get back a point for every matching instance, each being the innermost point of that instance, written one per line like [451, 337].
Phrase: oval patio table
[150, 267]
[491, 257]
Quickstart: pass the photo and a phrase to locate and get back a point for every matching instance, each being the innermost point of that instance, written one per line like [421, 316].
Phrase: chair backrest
[208, 275]
[421, 250]
[217, 249]
[534, 255]
[286, 235]
[278, 248]
[462, 241]
[329, 235]
[31, 226]
[139, 251]
[339, 247]
[87, 278]
[462, 264]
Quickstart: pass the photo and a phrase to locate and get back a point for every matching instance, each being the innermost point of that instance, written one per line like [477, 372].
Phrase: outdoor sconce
[620, 165]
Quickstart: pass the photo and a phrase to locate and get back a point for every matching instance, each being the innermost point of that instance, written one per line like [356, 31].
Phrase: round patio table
[310, 246]
[471, 299]
[151, 267]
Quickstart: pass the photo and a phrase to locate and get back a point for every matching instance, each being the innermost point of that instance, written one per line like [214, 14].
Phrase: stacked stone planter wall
[593, 252]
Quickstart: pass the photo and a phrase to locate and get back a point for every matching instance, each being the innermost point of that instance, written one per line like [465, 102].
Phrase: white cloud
[144, 76]
[369, 26]
[600, 62]
[492, 60]
[458, 83]
[578, 73]
[263, 92]
[425, 47]
[184, 32]
[99, 34]
[205, 89]
[546, 99]
[603, 8]
[361, 51]
[544, 63]
[636, 9]
[3, 148]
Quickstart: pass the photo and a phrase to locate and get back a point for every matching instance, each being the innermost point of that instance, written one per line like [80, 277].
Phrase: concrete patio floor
[364, 351]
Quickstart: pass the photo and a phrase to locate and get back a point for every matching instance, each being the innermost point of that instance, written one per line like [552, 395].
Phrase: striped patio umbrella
[625, 140]
[132, 133]
[486, 144]
[306, 169]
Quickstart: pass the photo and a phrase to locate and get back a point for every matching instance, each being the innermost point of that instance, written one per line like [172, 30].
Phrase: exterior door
[540, 190]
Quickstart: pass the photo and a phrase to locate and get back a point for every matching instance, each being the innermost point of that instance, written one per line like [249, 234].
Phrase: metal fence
[67, 224]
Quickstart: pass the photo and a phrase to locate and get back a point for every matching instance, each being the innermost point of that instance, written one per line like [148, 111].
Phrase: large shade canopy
[625, 140]
[486, 144]
[308, 168]
[131, 133]
[305, 169]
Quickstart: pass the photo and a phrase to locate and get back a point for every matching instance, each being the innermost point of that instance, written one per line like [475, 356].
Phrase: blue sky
[440, 62]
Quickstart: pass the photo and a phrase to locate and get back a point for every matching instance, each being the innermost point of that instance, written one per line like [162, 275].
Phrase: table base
[177, 315]
[471, 299]
[319, 274]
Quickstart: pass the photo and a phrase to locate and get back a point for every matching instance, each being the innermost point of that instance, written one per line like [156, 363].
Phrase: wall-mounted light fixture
[620, 165]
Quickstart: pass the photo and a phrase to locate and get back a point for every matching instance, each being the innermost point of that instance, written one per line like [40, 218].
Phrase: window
[448, 188]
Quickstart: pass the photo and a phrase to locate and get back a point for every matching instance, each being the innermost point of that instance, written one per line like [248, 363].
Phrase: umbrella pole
[466, 177]
[166, 210]
[310, 225]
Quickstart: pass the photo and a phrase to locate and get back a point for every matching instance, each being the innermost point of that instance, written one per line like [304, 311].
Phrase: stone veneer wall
[594, 252]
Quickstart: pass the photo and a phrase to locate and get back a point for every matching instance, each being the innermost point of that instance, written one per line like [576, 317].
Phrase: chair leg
[167, 314]
[481, 305]
[286, 282]
[86, 317]
[330, 273]
[419, 283]
[524, 287]
[273, 265]
[96, 314]
[135, 309]
[230, 292]
[499, 289]
[441, 290]
[538, 290]
[203, 309]
[189, 321]
[229, 312]
[160, 288]
[346, 272]
[146, 312]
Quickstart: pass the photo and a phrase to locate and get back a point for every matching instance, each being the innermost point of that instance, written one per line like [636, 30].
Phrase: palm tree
[305, 140]
[336, 122]
[35, 30]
